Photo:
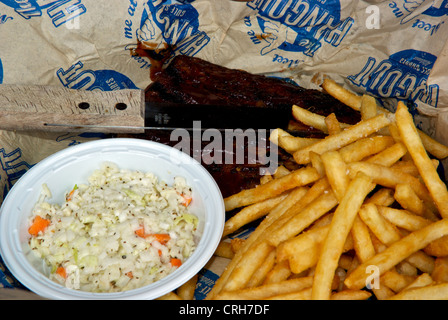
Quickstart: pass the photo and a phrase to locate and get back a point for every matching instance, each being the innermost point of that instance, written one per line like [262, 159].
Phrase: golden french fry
[403, 219]
[251, 213]
[422, 280]
[263, 271]
[336, 172]
[362, 242]
[312, 119]
[380, 227]
[365, 147]
[408, 199]
[369, 108]
[397, 252]
[252, 261]
[431, 292]
[224, 250]
[291, 144]
[340, 227]
[332, 124]
[411, 138]
[266, 178]
[277, 133]
[304, 218]
[304, 294]
[186, 291]
[389, 156]
[440, 272]
[345, 137]
[303, 251]
[351, 295]
[438, 248]
[281, 172]
[236, 244]
[389, 177]
[396, 281]
[382, 197]
[299, 177]
[421, 261]
[278, 273]
[345, 96]
[268, 290]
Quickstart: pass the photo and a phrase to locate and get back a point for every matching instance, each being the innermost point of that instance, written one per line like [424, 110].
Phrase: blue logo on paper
[404, 76]
[1, 71]
[173, 23]
[60, 11]
[76, 77]
[305, 24]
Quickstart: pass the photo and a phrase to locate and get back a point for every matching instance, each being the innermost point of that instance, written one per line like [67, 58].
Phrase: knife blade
[52, 108]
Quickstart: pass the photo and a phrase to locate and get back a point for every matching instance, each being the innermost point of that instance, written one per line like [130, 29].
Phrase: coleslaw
[122, 230]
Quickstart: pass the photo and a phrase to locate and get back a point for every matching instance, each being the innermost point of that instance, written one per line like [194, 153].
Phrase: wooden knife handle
[25, 107]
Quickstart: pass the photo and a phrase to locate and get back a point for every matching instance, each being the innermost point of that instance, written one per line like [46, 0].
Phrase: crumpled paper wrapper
[391, 49]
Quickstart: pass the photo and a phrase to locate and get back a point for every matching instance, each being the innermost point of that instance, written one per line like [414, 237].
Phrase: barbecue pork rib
[191, 80]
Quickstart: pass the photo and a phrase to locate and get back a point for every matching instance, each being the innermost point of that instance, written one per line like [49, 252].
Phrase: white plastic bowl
[75, 164]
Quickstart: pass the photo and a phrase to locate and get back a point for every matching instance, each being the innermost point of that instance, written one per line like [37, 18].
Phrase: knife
[60, 109]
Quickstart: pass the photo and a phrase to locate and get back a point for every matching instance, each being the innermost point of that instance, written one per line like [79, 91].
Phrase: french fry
[268, 290]
[251, 213]
[396, 281]
[332, 124]
[438, 248]
[431, 292]
[304, 294]
[389, 177]
[271, 189]
[362, 242]
[336, 172]
[266, 178]
[369, 108]
[422, 280]
[408, 199]
[345, 96]
[252, 260]
[281, 172]
[403, 219]
[413, 142]
[389, 156]
[186, 291]
[278, 273]
[382, 197]
[440, 272]
[381, 228]
[291, 144]
[340, 227]
[304, 218]
[303, 251]
[351, 295]
[224, 250]
[345, 137]
[277, 133]
[314, 120]
[397, 252]
[365, 147]
[260, 275]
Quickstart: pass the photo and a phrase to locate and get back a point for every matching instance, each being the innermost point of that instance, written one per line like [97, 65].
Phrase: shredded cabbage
[94, 234]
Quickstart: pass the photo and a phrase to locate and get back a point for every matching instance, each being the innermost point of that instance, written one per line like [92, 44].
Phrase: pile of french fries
[365, 215]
